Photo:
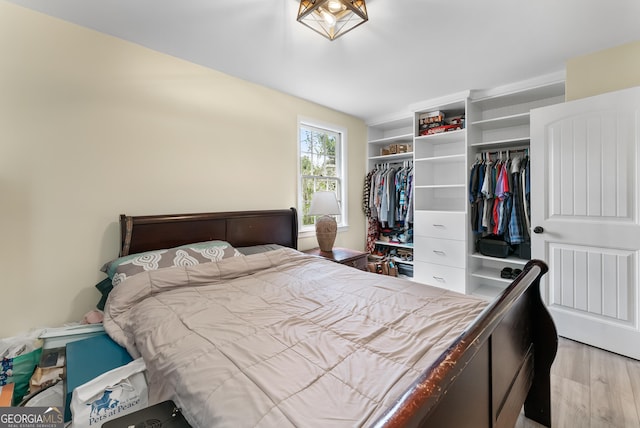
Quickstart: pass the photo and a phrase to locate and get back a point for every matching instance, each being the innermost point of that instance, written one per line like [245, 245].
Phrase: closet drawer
[441, 251]
[448, 225]
[447, 277]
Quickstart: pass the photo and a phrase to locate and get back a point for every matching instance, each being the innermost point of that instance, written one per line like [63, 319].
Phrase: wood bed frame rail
[500, 362]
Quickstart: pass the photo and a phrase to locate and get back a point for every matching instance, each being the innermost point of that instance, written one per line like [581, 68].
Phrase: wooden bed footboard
[502, 361]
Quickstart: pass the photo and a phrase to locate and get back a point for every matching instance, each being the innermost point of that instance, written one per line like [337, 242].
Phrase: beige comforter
[282, 338]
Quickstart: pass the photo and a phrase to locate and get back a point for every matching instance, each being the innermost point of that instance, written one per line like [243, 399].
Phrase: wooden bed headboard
[240, 229]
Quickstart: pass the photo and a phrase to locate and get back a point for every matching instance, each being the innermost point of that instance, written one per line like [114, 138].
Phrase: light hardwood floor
[592, 388]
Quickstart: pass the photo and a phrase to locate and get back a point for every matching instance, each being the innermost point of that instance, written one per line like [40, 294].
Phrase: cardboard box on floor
[6, 395]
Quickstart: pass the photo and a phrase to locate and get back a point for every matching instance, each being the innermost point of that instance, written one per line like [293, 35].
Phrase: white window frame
[341, 164]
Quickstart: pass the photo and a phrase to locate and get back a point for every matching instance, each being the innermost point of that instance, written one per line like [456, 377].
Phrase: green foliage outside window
[319, 166]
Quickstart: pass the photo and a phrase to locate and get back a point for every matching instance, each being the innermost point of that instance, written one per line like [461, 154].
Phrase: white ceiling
[409, 51]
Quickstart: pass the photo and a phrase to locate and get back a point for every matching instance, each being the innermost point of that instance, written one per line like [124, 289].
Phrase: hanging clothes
[387, 200]
[526, 185]
[388, 209]
[473, 189]
[488, 186]
[370, 194]
[372, 234]
[404, 194]
[366, 194]
[409, 209]
[499, 197]
[516, 220]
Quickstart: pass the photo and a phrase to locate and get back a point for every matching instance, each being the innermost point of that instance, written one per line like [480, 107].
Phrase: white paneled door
[585, 217]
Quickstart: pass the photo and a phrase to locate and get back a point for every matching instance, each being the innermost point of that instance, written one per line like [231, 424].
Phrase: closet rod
[510, 150]
[404, 164]
[500, 153]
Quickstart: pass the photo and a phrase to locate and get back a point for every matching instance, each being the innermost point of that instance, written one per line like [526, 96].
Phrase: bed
[298, 340]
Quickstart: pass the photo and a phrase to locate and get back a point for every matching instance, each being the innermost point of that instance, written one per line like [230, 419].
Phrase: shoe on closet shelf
[506, 273]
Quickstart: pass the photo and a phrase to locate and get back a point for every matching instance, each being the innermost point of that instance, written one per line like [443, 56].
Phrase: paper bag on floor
[113, 394]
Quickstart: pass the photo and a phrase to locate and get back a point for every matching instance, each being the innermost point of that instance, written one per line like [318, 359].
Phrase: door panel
[584, 195]
[576, 282]
[590, 166]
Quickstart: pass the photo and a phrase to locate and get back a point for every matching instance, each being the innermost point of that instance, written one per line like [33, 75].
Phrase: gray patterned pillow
[186, 255]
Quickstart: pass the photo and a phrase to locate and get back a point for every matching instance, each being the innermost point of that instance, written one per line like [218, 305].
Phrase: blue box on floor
[87, 359]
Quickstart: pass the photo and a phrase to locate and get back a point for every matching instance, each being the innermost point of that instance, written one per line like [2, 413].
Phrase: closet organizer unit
[496, 122]
[499, 127]
[440, 226]
[383, 134]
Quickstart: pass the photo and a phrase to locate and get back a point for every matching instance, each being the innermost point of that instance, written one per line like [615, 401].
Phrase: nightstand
[344, 256]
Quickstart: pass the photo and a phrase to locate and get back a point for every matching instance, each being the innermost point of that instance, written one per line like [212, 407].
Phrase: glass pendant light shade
[332, 18]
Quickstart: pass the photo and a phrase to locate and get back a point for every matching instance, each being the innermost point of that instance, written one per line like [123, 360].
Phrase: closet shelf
[404, 137]
[502, 122]
[399, 260]
[493, 99]
[439, 211]
[510, 259]
[498, 144]
[457, 135]
[490, 274]
[395, 244]
[441, 186]
[448, 158]
[393, 157]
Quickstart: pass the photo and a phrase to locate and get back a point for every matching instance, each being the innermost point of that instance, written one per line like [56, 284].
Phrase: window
[321, 166]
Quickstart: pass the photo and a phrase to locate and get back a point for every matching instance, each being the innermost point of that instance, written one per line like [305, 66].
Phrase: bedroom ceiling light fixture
[332, 18]
[325, 204]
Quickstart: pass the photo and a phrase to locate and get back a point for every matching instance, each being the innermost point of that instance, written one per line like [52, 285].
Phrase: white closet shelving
[496, 120]
[395, 130]
[440, 165]
[382, 134]
[500, 122]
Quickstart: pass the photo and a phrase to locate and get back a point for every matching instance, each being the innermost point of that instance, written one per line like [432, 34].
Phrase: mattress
[282, 338]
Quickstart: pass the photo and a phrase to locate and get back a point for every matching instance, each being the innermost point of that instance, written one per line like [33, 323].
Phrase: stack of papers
[60, 336]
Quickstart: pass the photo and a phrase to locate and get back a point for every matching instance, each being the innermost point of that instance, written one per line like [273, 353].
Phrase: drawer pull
[438, 225]
[438, 278]
[439, 252]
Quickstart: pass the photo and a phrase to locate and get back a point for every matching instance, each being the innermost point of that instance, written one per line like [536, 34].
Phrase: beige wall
[604, 71]
[92, 126]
